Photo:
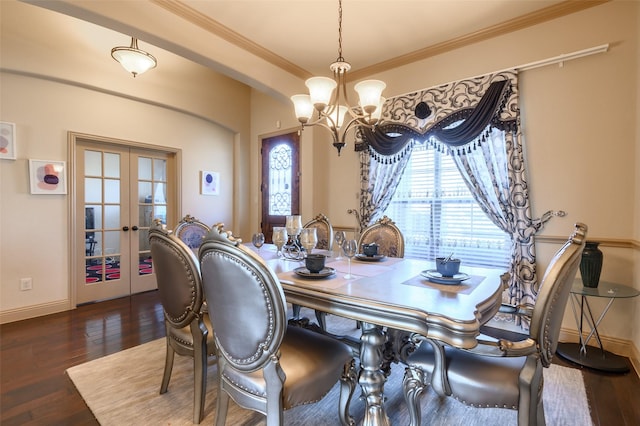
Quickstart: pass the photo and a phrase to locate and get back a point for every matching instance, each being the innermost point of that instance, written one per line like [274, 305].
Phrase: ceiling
[252, 40]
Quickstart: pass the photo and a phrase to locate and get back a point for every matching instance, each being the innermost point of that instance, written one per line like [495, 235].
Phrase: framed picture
[48, 177]
[210, 183]
[7, 141]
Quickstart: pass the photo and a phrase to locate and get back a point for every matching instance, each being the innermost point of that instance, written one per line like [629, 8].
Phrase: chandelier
[332, 108]
[132, 59]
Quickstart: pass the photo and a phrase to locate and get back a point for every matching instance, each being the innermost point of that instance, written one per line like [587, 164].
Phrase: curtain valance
[431, 115]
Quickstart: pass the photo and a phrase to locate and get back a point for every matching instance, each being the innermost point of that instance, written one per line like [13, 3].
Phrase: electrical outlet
[26, 284]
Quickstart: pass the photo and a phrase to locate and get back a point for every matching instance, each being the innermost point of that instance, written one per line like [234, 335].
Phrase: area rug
[123, 389]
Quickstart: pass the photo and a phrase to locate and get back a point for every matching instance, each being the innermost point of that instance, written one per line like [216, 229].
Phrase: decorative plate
[365, 258]
[436, 277]
[305, 273]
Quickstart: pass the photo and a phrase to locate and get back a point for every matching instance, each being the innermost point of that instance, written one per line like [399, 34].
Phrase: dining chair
[188, 328]
[386, 235]
[499, 372]
[264, 364]
[324, 230]
[191, 231]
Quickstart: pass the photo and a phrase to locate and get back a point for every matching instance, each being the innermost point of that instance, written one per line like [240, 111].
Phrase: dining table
[386, 295]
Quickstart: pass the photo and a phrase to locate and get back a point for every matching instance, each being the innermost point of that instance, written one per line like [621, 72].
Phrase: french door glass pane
[152, 204]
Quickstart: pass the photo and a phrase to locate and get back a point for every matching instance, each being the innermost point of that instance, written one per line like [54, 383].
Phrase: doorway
[120, 188]
[280, 184]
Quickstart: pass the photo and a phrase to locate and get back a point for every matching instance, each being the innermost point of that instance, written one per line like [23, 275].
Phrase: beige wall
[34, 229]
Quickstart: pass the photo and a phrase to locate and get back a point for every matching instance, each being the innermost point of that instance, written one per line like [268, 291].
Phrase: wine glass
[350, 248]
[339, 238]
[258, 240]
[308, 239]
[280, 238]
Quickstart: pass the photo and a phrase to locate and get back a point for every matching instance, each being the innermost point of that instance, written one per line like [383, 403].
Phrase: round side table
[591, 356]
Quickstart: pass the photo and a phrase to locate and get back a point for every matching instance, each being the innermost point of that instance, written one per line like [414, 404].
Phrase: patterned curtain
[477, 122]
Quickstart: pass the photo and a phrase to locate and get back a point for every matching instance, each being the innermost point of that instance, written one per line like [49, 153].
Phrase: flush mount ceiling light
[331, 109]
[132, 59]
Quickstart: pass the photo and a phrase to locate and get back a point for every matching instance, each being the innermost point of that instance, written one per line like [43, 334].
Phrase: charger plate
[434, 276]
[365, 258]
[305, 273]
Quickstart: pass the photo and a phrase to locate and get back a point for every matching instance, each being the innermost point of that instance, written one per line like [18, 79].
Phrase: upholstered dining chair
[188, 329]
[324, 231]
[191, 231]
[498, 372]
[263, 364]
[386, 235]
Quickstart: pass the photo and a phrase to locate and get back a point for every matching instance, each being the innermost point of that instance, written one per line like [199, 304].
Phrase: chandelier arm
[333, 131]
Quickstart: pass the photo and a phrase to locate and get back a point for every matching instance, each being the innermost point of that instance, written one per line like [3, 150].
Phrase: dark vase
[591, 264]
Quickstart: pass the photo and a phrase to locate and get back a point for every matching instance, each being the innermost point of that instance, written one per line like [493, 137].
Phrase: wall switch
[26, 284]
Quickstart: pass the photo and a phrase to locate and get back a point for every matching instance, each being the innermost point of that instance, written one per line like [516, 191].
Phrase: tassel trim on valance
[390, 142]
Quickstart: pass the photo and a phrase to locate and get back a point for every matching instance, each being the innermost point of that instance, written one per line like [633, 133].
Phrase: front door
[280, 180]
[119, 191]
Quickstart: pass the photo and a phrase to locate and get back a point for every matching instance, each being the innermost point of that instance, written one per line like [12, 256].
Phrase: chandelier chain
[340, 58]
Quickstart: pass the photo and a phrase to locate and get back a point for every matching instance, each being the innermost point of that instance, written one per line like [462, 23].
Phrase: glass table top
[604, 289]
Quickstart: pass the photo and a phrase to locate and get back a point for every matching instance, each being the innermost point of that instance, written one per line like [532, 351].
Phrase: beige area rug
[123, 389]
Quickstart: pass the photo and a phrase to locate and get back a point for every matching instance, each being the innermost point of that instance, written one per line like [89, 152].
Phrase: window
[438, 215]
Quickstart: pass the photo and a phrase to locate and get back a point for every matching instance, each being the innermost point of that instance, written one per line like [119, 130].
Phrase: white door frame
[73, 138]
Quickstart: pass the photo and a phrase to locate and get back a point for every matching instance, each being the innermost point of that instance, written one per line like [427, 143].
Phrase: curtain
[477, 122]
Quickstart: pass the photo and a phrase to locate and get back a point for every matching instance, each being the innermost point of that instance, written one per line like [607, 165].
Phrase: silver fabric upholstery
[498, 372]
[386, 235]
[188, 328]
[263, 364]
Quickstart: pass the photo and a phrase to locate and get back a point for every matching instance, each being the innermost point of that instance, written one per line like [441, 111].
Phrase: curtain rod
[560, 59]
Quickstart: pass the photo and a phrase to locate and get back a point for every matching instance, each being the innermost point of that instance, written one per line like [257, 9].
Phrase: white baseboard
[34, 311]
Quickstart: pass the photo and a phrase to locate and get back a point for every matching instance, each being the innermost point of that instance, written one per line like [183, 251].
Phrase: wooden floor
[34, 354]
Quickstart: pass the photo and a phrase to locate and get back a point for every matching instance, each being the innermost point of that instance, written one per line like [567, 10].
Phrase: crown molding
[212, 26]
[216, 28]
[534, 18]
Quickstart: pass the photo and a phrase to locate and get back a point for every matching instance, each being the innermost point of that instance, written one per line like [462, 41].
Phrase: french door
[120, 190]
[280, 180]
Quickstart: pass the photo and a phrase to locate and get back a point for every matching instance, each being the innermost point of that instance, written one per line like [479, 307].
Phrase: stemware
[339, 238]
[280, 238]
[350, 248]
[308, 239]
[258, 240]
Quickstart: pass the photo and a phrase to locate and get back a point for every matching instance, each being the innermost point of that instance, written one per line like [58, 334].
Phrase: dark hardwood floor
[34, 354]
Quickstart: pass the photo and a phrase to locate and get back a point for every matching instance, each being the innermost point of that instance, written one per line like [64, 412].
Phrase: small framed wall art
[7, 141]
[48, 177]
[210, 183]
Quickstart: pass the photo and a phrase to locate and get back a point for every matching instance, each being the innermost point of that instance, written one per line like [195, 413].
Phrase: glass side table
[591, 356]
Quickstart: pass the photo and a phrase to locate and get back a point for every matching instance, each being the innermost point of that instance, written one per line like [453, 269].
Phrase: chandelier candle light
[331, 109]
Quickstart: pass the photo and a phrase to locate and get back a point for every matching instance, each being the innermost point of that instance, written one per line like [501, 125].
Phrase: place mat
[333, 282]
[363, 269]
[465, 287]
